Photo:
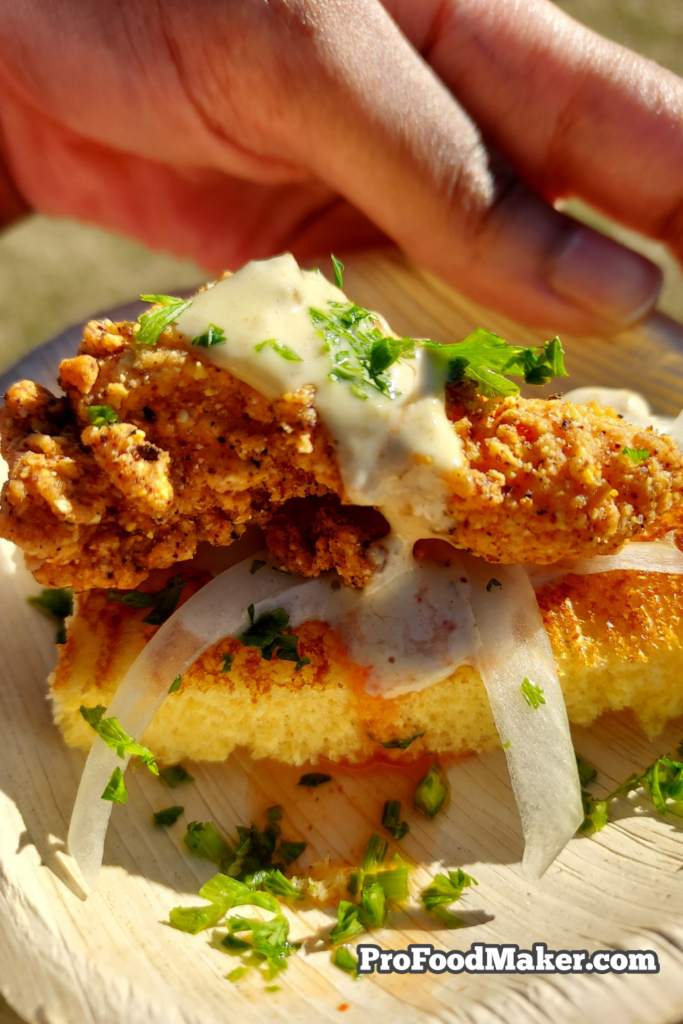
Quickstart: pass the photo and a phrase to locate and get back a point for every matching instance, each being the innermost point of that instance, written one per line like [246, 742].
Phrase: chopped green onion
[274, 813]
[290, 851]
[373, 913]
[227, 660]
[532, 694]
[493, 583]
[175, 685]
[257, 564]
[431, 792]
[163, 602]
[390, 820]
[345, 961]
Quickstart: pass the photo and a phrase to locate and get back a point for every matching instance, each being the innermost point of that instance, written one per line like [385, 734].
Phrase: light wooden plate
[112, 958]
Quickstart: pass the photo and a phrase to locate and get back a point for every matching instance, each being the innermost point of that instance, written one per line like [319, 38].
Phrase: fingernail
[603, 277]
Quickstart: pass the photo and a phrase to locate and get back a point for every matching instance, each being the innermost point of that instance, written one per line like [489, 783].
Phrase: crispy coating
[548, 480]
[198, 455]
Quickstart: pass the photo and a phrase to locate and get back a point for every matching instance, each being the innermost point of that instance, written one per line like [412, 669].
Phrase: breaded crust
[199, 455]
[617, 640]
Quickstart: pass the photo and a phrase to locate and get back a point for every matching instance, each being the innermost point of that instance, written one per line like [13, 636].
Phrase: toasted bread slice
[617, 639]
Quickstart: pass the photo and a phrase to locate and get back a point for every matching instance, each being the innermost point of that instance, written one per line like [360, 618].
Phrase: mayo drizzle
[412, 625]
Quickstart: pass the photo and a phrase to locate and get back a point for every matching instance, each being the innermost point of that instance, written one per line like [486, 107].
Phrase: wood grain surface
[111, 958]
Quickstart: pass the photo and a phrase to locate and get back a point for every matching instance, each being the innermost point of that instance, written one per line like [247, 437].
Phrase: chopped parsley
[203, 840]
[532, 694]
[398, 743]
[636, 454]
[431, 792]
[102, 415]
[338, 271]
[662, 780]
[175, 685]
[484, 357]
[57, 603]
[175, 775]
[168, 816]
[274, 813]
[282, 350]
[506, 746]
[109, 729]
[115, 790]
[348, 923]
[359, 352]
[301, 663]
[267, 634]
[446, 889]
[212, 336]
[314, 779]
[493, 583]
[163, 603]
[227, 660]
[257, 564]
[290, 851]
[391, 820]
[155, 322]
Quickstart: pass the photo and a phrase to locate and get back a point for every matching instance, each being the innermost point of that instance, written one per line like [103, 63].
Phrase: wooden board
[112, 958]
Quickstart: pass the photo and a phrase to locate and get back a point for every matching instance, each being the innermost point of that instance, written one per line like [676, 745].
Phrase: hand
[232, 129]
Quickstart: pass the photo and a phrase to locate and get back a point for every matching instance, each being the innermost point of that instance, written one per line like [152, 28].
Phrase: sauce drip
[412, 625]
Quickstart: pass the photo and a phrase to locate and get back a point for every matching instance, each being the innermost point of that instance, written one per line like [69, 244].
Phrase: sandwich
[292, 531]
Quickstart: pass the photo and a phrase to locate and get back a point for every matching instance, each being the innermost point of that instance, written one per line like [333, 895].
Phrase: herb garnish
[175, 685]
[257, 564]
[359, 351]
[532, 694]
[227, 660]
[212, 336]
[155, 322]
[205, 841]
[57, 603]
[282, 350]
[115, 790]
[636, 454]
[168, 816]
[483, 357]
[390, 820]
[175, 775]
[493, 583]
[266, 633]
[431, 792]
[338, 271]
[109, 729]
[314, 779]
[446, 889]
[397, 744]
[102, 415]
[163, 602]
[345, 961]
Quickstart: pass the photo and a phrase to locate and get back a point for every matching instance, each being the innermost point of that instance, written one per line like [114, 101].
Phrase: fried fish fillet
[617, 640]
[198, 455]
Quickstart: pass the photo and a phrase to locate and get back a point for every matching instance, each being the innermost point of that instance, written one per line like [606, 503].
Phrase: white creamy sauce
[412, 625]
[632, 406]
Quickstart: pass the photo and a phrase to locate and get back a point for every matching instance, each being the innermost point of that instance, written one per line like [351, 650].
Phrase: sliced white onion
[540, 755]
[219, 609]
[640, 556]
